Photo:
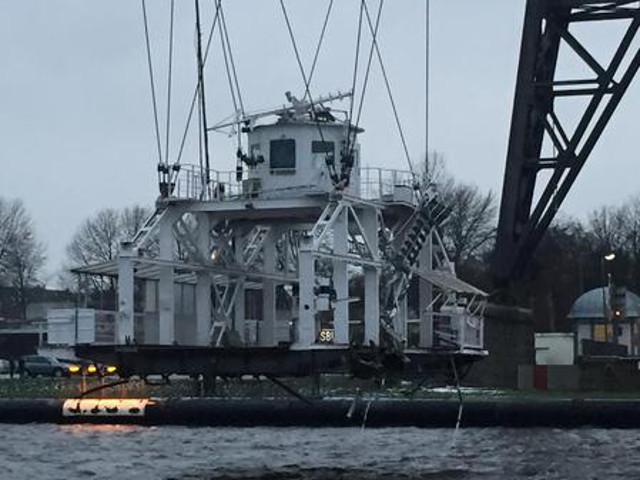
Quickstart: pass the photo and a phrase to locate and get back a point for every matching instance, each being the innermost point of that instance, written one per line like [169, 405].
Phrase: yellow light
[92, 369]
[111, 369]
[74, 368]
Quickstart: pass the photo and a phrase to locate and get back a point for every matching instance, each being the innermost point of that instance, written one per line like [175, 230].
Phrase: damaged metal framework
[276, 259]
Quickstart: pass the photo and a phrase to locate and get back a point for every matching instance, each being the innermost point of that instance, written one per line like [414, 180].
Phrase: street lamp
[609, 257]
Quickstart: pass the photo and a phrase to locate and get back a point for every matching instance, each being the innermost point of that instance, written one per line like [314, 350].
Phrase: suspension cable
[203, 185]
[320, 40]
[202, 96]
[354, 80]
[426, 86]
[223, 23]
[226, 53]
[151, 79]
[226, 59]
[389, 92]
[169, 77]
[194, 97]
[298, 59]
[336, 180]
[369, 62]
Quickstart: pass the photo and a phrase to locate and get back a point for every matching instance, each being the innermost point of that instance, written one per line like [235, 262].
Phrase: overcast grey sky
[76, 131]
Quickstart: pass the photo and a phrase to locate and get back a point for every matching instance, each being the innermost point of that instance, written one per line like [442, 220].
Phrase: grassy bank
[181, 387]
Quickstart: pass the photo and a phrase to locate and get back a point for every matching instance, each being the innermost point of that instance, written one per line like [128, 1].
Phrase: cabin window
[282, 156]
[323, 147]
[322, 152]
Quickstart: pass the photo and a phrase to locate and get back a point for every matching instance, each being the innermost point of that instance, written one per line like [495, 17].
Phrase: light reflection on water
[133, 452]
[84, 428]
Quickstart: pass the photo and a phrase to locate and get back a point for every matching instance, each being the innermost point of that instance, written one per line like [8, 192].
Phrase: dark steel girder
[523, 217]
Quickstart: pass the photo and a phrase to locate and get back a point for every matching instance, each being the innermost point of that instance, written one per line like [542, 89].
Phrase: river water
[139, 453]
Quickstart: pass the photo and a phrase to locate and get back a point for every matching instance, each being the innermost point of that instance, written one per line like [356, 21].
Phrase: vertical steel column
[425, 292]
[203, 285]
[369, 221]
[166, 292]
[306, 312]
[150, 312]
[340, 280]
[400, 320]
[239, 303]
[267, 331]
[125, 294]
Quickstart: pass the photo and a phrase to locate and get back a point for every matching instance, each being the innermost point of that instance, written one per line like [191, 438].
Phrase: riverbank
[357, 412]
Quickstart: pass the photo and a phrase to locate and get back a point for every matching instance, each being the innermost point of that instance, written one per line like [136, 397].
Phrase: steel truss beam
[536, 120]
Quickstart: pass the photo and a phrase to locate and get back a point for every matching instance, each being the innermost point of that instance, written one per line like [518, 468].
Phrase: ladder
[430, 213]
[142, 236]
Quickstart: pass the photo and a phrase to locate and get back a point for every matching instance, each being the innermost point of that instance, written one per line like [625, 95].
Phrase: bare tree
[21, 254]
[132, 219]
[607, 226]
[12, 221]
[98, 238]
[470, 228]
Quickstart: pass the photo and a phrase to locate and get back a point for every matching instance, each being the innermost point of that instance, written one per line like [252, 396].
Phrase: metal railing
[382, 183]
[191, 183]
[457, 331]
[374, 184]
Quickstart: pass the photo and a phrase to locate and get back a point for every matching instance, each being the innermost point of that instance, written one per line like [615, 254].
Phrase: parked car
[34, 365]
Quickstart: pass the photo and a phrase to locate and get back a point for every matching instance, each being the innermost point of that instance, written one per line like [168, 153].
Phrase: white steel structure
[303, 248]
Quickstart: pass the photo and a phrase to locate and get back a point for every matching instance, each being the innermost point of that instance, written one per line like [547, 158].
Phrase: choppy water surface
[127, 452]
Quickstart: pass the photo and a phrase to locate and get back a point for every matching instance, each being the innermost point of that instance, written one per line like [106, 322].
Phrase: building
[594, 320]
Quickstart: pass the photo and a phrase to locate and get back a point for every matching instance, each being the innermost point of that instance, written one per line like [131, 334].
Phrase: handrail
[373, 183]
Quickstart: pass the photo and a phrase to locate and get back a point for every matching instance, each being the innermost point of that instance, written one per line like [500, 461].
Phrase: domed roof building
[592, 304]
[592, 318]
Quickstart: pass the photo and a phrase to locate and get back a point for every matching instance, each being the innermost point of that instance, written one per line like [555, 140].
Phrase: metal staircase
[430, 213]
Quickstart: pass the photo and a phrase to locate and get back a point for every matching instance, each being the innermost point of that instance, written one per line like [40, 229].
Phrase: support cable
[354, 80]
[235, 93]
[365, 82]
[169, 78]
[200, 151]
[232, 74]
[225, 56]
[426, 88]
[460, 399]
[194, 97]
[152, 80]
[202, 96]
[389, 92]
[299, 60]
[336, 180]
[223, 24]
[319, 46]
